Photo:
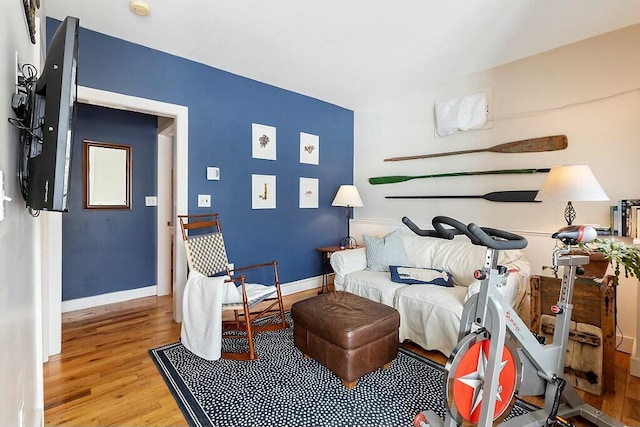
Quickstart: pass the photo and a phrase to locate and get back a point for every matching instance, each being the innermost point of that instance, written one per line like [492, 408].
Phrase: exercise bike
[497, 358]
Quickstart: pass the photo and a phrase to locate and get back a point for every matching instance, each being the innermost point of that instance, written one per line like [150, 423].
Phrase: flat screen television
[48, 124]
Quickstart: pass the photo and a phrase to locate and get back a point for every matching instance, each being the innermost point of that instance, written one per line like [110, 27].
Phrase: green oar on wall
[523, 196]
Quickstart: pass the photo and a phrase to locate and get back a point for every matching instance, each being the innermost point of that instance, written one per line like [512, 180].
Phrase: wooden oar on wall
[495, 196]
[533, 145]
[402, 178]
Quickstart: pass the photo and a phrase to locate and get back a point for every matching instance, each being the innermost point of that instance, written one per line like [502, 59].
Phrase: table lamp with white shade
[348, 197]
[573, 183]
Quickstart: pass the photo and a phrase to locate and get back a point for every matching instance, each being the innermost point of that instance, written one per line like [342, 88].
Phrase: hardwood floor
[104, 375]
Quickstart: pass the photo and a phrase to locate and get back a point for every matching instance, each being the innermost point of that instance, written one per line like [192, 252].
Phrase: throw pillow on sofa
[420, 276]
[389, 250]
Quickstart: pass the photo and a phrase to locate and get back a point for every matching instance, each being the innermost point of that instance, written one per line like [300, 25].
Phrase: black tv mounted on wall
[45, 110]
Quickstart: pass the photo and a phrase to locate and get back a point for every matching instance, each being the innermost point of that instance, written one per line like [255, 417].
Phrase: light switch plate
[213, 174]
[151, 201]
[204, 200]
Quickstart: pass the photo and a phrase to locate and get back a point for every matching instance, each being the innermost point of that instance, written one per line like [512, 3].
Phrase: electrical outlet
[204, 200]
[230, 266]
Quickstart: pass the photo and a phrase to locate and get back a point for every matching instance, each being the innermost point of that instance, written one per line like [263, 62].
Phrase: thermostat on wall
[213, 174]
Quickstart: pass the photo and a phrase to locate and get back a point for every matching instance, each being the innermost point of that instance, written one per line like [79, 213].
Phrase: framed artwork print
[309, 148]
[309, 193]
[263, 191]
[263, 140]
[106, 175]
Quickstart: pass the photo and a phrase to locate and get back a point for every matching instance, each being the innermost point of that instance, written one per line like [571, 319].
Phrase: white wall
[589, 91]
[20, 300]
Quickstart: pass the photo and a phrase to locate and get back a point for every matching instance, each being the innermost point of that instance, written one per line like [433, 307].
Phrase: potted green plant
[616, 253]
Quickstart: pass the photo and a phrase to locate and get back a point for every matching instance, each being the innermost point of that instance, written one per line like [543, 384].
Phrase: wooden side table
[325, 258]
[593, 304]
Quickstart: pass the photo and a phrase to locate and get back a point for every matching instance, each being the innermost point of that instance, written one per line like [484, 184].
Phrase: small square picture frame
[309, 148]
[263, 191]
[263, 139]
[309, 193]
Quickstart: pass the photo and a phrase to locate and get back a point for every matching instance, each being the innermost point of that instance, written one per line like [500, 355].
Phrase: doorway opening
[51, 223]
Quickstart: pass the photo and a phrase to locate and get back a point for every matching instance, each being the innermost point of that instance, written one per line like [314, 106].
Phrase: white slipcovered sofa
[430, 314]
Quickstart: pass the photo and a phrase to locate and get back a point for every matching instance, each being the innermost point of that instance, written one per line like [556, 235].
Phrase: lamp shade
[347, 195]
[575, 183]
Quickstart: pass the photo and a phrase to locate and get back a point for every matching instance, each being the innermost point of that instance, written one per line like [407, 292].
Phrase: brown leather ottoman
[348, 334]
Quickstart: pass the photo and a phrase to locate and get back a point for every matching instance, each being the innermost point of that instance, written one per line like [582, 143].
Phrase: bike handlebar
[442, 234]
[480, 236]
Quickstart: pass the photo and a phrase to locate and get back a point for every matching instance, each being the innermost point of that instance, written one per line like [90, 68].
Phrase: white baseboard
[110, 298]
[121, 296]
[302, 285]
[624, 344]
[634, 361]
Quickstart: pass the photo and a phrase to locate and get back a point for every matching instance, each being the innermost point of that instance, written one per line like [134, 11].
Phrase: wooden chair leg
[251, 353]
[284, 322]
[279, 293]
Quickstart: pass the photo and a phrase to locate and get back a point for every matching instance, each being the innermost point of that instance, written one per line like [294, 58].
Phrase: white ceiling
[352, 52]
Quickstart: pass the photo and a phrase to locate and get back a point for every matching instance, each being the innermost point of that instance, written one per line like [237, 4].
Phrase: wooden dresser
[591, 351]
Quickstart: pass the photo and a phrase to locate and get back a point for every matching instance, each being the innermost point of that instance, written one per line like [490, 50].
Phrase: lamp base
[569, 213]
[348, 243]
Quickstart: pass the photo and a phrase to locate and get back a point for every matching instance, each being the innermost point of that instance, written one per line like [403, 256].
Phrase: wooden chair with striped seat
[261, 308]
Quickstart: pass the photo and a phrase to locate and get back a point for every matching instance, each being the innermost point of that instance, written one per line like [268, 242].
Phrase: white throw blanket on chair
[202, 307]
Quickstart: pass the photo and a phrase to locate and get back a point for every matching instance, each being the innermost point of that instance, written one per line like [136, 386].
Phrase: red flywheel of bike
[467, 367]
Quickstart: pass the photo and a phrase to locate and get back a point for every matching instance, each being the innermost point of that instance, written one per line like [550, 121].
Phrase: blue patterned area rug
[282, 388]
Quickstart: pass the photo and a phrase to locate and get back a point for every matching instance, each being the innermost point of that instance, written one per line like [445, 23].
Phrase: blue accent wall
[222, 106]
[111, 250]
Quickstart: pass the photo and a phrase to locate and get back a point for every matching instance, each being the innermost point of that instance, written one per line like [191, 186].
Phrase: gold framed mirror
[107, 175]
